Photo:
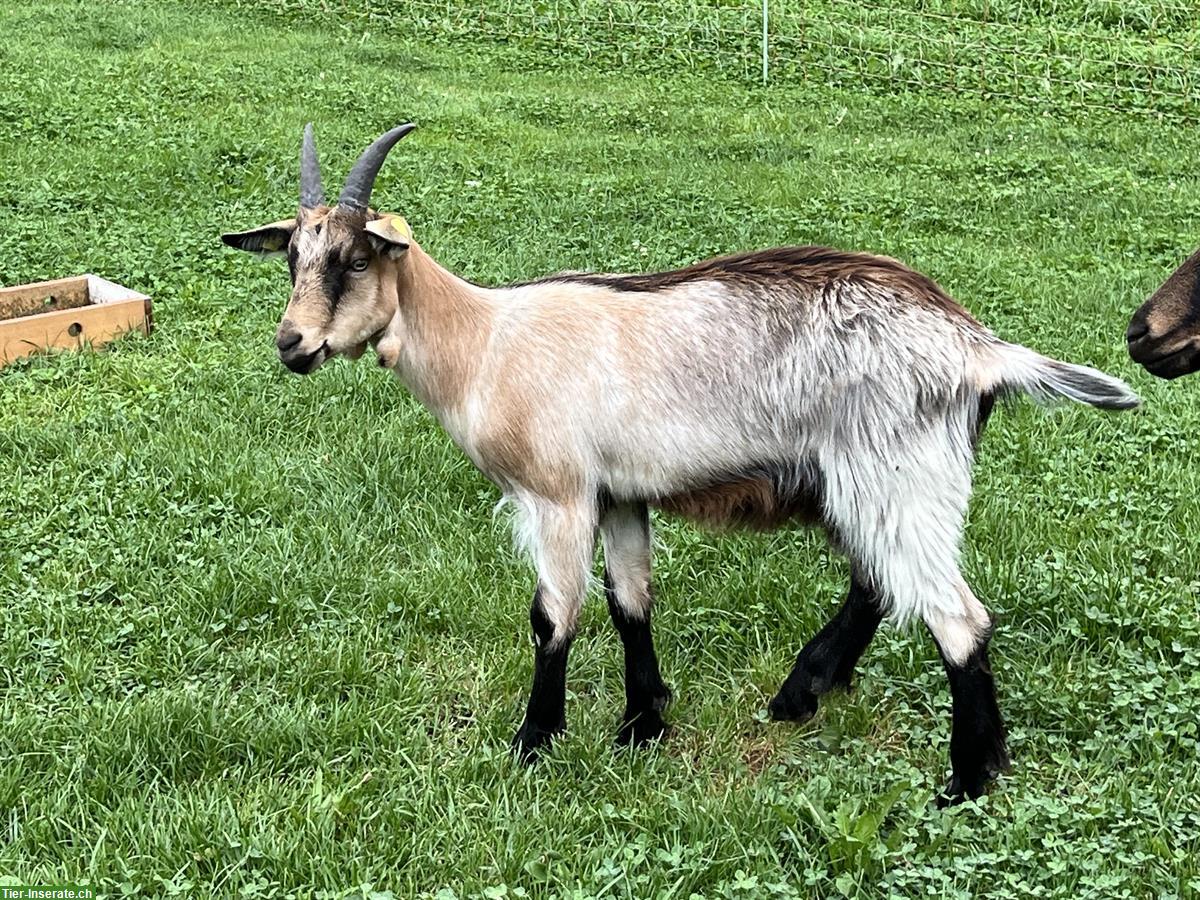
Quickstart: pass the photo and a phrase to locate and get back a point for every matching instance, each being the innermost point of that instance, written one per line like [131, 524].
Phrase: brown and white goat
[1164, 334]
[800, 384]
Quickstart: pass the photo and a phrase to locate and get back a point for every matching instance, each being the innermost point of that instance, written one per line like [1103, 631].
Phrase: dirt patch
[48, 296]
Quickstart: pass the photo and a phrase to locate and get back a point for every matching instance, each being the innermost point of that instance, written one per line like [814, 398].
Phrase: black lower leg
[828, 660]
[646, 696]
[545, 716]
[977, 743]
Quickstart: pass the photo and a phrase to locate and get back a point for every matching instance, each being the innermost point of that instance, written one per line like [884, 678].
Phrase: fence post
[764, 42]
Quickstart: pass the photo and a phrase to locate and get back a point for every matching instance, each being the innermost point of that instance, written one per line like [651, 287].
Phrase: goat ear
[269, 240]
[389, 235]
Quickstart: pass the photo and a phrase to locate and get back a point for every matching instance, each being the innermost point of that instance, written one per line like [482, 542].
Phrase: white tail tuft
[1010, 367]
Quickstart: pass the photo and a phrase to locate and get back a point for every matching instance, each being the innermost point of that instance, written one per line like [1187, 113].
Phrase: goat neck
[437, 338]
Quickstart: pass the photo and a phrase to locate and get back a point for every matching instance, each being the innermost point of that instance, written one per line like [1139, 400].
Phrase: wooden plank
[45, 296]
[72, 328]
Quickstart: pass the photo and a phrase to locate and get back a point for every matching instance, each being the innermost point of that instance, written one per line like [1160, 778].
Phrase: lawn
[262, 635]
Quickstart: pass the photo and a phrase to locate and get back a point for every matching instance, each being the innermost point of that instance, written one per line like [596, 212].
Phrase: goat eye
[360, 265]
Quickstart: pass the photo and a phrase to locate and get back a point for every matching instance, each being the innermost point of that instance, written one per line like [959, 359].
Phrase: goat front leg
[564, 538]
[625, 532]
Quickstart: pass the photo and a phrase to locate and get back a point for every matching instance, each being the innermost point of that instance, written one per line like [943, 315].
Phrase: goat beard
[356, 351]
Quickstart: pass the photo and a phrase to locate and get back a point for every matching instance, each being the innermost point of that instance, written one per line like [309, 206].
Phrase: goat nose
[1138, 329]
[286, 340]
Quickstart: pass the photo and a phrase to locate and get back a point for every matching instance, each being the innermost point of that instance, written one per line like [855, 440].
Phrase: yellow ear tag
[273, 244]
[399, 225]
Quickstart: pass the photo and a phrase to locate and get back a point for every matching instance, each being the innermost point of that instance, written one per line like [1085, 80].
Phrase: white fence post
[765, 62]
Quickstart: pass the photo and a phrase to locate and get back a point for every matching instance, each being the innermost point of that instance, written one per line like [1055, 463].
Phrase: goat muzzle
[293, 355]
[1169, 355]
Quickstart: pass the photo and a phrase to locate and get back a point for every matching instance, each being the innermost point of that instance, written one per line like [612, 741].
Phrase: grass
[262, 636]
[1129, 56]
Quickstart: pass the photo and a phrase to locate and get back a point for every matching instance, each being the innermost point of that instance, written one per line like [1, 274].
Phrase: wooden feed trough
[67, 313]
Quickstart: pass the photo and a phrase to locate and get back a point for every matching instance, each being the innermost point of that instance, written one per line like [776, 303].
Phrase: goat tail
[1006, 368]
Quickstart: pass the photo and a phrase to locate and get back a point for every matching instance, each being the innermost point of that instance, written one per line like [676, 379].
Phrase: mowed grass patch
[262, 635]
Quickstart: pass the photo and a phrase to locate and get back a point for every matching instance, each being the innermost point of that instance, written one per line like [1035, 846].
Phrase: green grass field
[262, 636]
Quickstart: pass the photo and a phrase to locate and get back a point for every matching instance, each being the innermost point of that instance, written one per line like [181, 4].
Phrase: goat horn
[356, 192]
[312, 194]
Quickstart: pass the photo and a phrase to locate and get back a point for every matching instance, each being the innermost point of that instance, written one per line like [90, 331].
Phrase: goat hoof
[959, 791]
[796, 707]
[952, 794]
[639, 729]
[530, 740]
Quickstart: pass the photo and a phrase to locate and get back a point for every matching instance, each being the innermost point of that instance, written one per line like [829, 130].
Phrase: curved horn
[356, 193]
[312, 194]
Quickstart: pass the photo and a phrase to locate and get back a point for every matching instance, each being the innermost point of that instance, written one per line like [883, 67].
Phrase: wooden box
[69, 313]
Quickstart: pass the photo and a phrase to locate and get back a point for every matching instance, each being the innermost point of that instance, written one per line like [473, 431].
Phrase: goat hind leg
[904, 531]
[978, 748]
[827, 661]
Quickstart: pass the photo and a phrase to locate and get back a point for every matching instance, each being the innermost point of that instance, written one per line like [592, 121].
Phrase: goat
[793, 385]
[1164, 333]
